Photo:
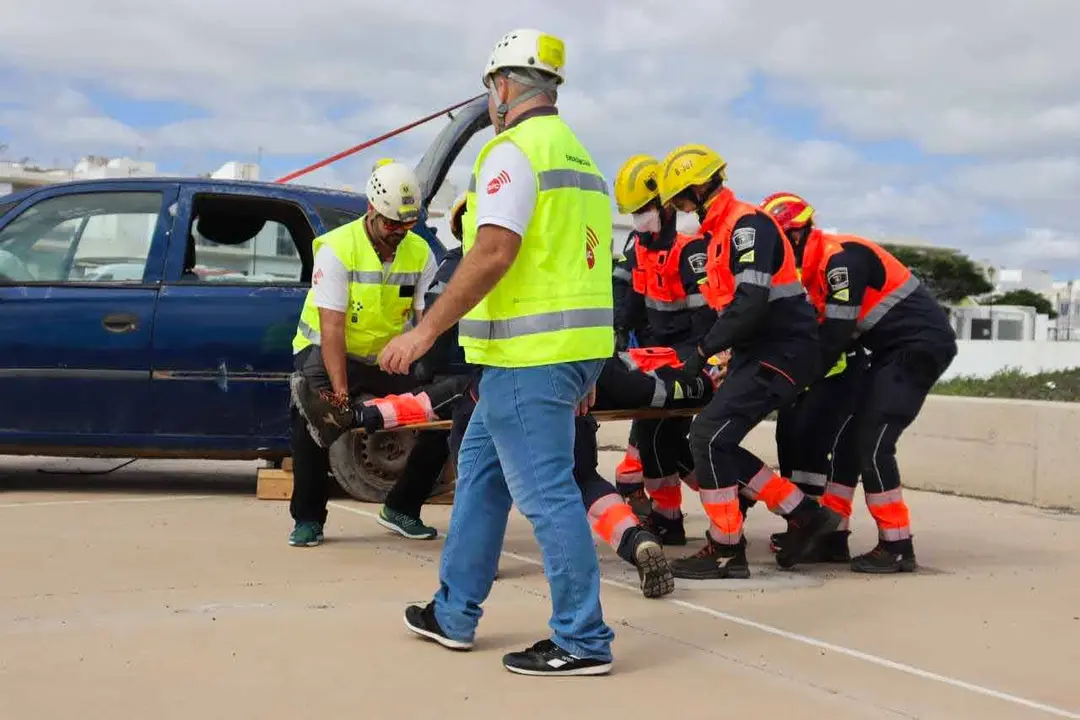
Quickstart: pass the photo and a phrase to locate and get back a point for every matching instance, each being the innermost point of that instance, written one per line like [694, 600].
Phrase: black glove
[622, 339]
[694, 366]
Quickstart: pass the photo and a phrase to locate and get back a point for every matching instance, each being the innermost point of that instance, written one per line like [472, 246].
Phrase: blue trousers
[519, 449]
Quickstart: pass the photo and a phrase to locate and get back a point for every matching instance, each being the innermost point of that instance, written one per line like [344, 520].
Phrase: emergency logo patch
[496, 183]
[747, 257]
[743, 238]
[591, 241]
[837, 278]
[697, 262]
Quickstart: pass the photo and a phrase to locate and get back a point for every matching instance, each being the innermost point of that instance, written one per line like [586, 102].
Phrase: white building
[1008, 279]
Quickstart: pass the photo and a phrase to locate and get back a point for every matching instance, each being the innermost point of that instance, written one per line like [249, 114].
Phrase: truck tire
[367, 466]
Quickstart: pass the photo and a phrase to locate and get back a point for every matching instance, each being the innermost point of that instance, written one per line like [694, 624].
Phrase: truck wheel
[367, 466]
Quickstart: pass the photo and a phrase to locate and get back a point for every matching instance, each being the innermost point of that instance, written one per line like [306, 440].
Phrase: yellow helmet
[379, 163]
[688, 165]
[635, 185]
[457, 212]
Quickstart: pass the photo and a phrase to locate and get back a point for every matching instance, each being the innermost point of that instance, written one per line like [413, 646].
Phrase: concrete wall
[1013, 450]
[982, 358]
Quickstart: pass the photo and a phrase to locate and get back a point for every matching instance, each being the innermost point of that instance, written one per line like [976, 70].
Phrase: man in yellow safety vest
[368, 284]
[534, 299]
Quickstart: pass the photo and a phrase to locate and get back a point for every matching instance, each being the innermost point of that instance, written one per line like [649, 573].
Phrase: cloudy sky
[952, 121]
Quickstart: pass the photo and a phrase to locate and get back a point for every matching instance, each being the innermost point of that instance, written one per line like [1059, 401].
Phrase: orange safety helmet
[790, 211]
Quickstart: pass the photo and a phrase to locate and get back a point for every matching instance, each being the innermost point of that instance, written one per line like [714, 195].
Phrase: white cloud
[998, 87]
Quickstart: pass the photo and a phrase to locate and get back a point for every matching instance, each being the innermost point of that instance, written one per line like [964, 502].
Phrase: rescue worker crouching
[664, 304]
[763, 317]
[869, 299]
[805, 429]
[369, 279]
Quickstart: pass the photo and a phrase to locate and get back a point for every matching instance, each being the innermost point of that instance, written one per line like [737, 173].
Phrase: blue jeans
[519, 449]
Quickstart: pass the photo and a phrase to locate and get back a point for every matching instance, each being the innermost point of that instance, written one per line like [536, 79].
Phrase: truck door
[238, 268]
[78, 281]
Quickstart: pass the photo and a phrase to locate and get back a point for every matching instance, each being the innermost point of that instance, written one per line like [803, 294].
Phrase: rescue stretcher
[600, 415]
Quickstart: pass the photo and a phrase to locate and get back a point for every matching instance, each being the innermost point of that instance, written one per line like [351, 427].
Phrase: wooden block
[272, 484]
[286, 464]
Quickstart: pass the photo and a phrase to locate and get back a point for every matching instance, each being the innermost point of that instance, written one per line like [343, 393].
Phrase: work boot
[327, 419]
[807, 525]
[671, 531]
[714, 562]
[639, 502]
[887, 557]
[832, 548]
[641, 548]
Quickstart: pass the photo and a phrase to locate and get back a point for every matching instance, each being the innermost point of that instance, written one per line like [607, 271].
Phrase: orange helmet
[790, 210]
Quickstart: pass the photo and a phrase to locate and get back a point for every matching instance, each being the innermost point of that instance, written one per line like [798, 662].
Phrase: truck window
[334, 218]
[240, 239]
[81, 238]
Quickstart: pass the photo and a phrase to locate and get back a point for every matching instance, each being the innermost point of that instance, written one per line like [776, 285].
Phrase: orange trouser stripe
[630, 469]
[837, 503]
[667, 497]
[407, 409]
[611, 517]
[891, 514]
[722, 507]
[778, 493]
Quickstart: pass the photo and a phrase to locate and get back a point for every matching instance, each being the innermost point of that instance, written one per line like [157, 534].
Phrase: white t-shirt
[330, 280]
[506, 189]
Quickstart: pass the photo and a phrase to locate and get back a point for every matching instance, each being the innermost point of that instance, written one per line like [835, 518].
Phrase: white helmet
[394, 191]
[529, 50]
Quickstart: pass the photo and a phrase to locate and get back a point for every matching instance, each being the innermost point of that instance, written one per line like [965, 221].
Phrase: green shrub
[1012, 383]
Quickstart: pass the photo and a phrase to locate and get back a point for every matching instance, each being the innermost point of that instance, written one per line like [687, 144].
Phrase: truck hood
[443, 151]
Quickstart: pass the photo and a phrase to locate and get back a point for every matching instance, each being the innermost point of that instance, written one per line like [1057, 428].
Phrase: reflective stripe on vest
[314, 337]
[554, 304]
[719, 288]
[377, 309]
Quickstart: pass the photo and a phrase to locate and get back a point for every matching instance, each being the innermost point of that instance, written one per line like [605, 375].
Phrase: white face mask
[647, 222]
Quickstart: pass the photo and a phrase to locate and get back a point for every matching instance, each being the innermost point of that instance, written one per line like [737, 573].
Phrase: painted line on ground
[807, 640]
[100, 501]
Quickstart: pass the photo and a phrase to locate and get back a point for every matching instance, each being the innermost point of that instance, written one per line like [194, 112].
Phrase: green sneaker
[306, 534]
[406, 526]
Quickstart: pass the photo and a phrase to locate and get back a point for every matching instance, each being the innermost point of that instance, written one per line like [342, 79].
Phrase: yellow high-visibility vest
[379, 308]
[555, 303]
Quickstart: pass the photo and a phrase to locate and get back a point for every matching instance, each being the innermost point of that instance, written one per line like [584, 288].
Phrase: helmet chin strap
[536, 87]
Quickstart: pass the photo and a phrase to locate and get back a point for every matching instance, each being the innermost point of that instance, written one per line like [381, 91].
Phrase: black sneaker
[714, 562]
[641, 548]
[327, 421]
[886, 558]
[421, 620]
[547, 658]
[669, 531]
[806, 526]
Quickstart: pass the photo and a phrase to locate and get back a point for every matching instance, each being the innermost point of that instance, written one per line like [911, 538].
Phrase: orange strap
[648, 359]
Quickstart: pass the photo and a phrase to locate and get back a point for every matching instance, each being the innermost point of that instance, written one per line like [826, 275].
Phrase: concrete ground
[166, 590]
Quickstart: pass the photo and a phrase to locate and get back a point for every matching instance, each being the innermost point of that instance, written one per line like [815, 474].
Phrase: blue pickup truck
[154, 317]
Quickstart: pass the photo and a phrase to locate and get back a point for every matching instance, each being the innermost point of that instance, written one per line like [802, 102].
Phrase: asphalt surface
[164, 589]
